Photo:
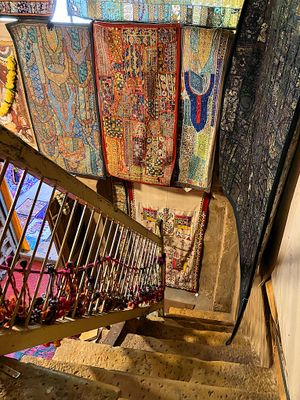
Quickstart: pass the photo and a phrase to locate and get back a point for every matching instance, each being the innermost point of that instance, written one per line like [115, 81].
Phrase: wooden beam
[22, 155]
[19, 339]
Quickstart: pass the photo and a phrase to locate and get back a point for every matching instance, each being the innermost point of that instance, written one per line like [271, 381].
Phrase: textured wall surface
[286, 285]
[261, 100]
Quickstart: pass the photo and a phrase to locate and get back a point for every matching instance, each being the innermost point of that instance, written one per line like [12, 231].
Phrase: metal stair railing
[108, 268]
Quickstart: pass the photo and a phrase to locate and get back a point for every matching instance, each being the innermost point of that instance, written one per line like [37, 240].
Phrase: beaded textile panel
[137, 68]
[43, 8]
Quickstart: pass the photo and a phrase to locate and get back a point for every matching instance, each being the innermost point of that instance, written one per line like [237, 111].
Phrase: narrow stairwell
[173, 358]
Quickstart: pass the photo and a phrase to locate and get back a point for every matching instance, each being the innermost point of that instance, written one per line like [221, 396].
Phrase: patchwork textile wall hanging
[17, 120]
[184, 216]
[57, 69]
[137, 68]
[209, 13]
[204, 57]
[43, 8]
[258, 135]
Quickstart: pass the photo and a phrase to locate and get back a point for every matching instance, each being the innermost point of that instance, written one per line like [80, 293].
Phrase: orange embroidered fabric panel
[137, 70]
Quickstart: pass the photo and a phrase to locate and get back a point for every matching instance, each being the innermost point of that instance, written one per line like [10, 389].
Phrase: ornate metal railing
[107, 268]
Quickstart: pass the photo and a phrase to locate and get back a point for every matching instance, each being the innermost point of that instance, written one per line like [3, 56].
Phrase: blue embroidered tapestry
[207, 13]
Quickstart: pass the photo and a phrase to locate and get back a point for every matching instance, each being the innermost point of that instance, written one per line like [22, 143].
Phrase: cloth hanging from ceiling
[204, 57]
[258, 134]
[137, 68]
[57, 70]
[17, 120]
[43, 8]
[208, 13]
[184, 216]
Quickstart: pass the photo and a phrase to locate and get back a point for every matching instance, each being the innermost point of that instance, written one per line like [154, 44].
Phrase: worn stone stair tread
[169, 366]
[162, 330]
[237, 354]
[204, 316]
[138, 387]
[38, 383]
[193, 324]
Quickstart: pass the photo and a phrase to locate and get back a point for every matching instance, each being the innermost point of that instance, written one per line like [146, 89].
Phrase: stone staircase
[182, 356]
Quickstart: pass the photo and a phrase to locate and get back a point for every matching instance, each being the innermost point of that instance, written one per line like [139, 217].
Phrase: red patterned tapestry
[184, 217]
[137, 69]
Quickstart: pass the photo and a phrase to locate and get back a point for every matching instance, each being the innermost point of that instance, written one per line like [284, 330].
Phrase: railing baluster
[131, 256]
[17, 251]
[42, 271]
[84, 273]
[132, 237]
[3, 170]
[99, 270]
[106, 264]
[73, 248]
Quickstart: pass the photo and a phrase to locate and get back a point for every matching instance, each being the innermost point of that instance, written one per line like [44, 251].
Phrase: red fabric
[32, 281]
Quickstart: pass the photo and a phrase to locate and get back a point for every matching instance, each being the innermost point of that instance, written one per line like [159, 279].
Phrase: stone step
[212, 317]
[37, 383]
[137, 387]
[193, 324]
[237, 354]
[169, 366]
[162, 330]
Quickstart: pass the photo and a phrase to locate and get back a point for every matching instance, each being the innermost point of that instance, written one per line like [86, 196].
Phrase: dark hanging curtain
[258, 131]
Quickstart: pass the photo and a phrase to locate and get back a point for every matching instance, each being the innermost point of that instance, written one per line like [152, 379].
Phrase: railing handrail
[19, 153]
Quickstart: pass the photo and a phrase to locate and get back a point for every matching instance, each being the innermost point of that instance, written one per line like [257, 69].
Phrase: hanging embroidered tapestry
[204, 57]
[17, 120]
[137, 69]
[184, 216]
[209, 13]
[43, 8]
[57, 69]
[258, 135]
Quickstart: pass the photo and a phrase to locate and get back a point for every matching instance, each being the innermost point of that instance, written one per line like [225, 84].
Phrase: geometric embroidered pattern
[57, 69]
[207, 13]
[204, 59]
[29, 8]
[137, 69]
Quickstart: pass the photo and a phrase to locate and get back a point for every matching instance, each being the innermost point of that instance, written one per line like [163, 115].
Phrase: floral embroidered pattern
[137, 76]
[183, 229]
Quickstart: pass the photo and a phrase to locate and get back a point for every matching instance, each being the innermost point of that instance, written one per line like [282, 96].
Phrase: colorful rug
[204, 58]
[43, 8]
[184, 216]
[57, 70]
[17, 120]
[137, 68]
[45, 352]
[258, 134]
[207, 13]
